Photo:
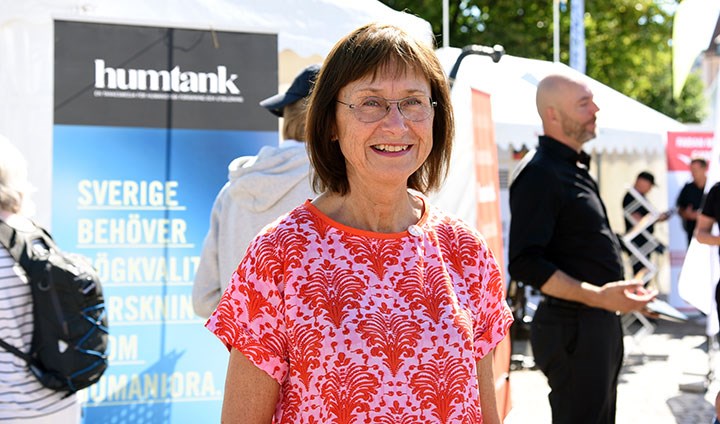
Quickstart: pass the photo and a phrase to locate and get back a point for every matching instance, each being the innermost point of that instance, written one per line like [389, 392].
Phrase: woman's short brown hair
[367, 51]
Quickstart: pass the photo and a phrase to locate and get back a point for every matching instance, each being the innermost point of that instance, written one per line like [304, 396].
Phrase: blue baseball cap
[300, 88]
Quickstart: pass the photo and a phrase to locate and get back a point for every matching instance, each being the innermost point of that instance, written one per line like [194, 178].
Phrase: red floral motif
[333, 291]
[305, 354]
[348, 390]
[439, 383]
[226, 330]
[264, 260]
[255, 351]
[256, 304]
[472, 413]
[379, 253]
[464, 324]
[292, 402]
[494, 285]
[426, 292]
[293, 246]
[397, 415]
[390, 335]
[314, 222]
[460, 249]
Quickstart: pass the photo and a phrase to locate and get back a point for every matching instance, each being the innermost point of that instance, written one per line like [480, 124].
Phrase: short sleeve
[492, 316]
[250, 316]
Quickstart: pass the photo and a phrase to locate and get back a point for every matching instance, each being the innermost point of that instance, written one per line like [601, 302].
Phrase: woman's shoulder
[445, 222]
[288, 223]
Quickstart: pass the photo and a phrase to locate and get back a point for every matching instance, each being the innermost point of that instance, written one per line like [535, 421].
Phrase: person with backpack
[23, 399]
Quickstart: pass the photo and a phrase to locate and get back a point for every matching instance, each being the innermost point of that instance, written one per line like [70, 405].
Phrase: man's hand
[624, 296]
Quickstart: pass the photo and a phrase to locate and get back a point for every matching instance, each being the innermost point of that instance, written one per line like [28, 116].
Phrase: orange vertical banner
[487, 186]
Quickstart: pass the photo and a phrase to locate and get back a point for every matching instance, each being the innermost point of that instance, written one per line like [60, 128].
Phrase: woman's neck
[380, 212]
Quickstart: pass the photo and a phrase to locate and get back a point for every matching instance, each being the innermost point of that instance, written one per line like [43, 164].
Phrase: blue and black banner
[146, 121]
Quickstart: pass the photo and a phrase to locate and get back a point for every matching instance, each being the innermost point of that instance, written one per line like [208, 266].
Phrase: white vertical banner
[577, 35]
[693, 27]
[680, 149]
[701, 269]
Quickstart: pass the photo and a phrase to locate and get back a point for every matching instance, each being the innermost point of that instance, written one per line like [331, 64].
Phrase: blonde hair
[14, 185]
[294, 120]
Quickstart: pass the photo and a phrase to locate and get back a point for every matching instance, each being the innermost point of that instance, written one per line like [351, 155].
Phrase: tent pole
[446, 23]
[556, 31]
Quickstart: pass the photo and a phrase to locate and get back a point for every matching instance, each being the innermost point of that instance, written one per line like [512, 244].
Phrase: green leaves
[628, 42]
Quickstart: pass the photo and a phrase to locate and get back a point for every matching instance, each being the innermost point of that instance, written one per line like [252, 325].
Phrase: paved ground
[663, 380]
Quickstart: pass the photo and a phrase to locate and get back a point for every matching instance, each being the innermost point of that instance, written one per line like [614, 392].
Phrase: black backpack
[70, 334]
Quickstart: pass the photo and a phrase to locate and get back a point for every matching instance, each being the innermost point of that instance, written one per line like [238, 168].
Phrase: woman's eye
[413, 101]
[371, 102]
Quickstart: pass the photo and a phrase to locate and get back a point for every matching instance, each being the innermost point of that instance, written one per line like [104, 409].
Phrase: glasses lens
[373, 109]
[415, 108]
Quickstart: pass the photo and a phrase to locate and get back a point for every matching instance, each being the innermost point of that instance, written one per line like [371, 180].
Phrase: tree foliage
[628, 42]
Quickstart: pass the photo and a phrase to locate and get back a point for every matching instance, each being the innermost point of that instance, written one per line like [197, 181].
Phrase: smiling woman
[367, 302]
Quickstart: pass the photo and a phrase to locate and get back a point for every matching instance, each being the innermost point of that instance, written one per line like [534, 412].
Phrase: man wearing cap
[634, 204]
[259, 189]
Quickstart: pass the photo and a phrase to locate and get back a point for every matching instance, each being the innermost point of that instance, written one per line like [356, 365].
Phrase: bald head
[551, 90]
[567, 110]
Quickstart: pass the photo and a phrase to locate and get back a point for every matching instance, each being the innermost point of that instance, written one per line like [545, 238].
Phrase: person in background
[259, 189]
[368, 302]
[562, 244]
[690, 197]
[644, 182]
[22, 398]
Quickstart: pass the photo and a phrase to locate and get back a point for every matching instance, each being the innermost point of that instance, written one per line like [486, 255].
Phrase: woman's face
[386, 152]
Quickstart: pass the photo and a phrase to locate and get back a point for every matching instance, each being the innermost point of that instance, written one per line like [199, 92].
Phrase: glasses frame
[354, 107]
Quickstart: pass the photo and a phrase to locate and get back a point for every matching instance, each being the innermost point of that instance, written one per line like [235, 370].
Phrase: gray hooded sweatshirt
[259, 190]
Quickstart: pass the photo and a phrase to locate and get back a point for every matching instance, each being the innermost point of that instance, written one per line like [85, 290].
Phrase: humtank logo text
[174, 80]
[174, 84]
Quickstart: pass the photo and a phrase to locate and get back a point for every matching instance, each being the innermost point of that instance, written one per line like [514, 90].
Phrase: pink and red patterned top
[362, 327]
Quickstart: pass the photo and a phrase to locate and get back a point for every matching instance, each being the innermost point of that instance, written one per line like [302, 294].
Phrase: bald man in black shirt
[561, 243]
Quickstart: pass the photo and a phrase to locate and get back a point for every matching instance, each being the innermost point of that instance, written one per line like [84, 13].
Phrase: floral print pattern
[361, 327]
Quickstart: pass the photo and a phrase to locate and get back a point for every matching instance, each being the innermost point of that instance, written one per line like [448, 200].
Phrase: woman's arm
[486, 384]
[251, 395]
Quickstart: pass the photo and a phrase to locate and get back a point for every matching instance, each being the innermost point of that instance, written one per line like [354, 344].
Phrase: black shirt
[689, 195]
[559, 221]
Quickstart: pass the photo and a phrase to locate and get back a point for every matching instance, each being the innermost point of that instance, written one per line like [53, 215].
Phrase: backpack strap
[15, 246]
[17, 352]
[12, 241]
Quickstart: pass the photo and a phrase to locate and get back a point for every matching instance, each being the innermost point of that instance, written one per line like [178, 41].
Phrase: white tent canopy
[625, 125]
[306, 29]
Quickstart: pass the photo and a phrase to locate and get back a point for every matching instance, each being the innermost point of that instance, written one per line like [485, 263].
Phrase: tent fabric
[624, 124]
[305, 26]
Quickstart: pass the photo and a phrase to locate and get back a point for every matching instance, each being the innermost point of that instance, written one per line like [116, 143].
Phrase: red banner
[487, 184]
[682, 147]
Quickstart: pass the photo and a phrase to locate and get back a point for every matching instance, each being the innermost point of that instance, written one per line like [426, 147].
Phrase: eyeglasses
[373, 109]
